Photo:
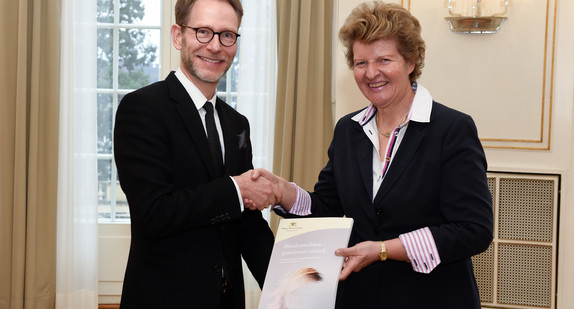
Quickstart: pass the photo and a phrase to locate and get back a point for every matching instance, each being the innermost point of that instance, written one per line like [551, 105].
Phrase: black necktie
[213, 139]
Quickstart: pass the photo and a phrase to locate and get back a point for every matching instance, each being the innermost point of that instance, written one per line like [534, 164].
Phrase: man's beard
[187, 63]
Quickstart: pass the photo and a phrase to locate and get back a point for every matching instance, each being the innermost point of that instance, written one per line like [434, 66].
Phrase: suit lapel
[364, 148]
[190, 117]
[405, 153]
[230, 141]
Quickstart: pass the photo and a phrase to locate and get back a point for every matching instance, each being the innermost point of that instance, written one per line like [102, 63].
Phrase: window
[227, 87]
[128, 40]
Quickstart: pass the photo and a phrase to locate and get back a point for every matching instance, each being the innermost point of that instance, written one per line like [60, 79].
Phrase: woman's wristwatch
[383, 253]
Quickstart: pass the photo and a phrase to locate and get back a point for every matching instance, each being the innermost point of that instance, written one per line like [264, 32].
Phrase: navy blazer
[438, 180]
[186, 224]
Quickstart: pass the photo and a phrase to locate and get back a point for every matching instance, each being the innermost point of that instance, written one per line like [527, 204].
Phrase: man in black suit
[184, 168]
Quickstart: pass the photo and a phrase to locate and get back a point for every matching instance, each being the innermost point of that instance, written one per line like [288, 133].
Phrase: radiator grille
[484, 272]
[525, 275]
[526, 209]
[518, 269]
[492, 188]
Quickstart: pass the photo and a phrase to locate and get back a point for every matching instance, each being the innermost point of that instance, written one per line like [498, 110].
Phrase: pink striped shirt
[421, 250]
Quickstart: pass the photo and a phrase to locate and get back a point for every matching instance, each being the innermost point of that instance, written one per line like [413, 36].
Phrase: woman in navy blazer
[410, 172]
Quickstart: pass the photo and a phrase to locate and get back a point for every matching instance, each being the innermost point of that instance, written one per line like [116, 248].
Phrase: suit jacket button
[379, 211]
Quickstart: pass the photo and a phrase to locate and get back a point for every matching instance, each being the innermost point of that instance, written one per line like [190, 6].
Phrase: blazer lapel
[230, 141]
[405, 153]
[364, 149]
[190, 117]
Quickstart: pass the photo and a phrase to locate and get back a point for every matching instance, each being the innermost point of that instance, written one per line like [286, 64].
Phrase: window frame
[169, 59]
[116, 92]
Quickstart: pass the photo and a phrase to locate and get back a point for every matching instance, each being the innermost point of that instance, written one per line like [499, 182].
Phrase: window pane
[105, 193]
[229, 82]
[105, 11]
[222, 84]
[138, 58]
[128, 58]
[140, 12]
[234, 71]
[105, 58]
[122, 209]
[232, 101]
[105, 123]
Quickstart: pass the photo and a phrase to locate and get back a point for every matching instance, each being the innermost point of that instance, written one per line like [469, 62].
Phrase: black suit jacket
[186, 224]
[437, 179]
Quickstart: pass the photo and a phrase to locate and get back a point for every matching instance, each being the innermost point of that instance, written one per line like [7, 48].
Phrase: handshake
[261, 189]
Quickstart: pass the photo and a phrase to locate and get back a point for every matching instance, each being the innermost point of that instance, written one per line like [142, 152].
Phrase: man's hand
[258, 193]
[288, 191]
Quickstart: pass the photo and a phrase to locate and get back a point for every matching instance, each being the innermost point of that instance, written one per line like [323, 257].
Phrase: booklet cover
[304, 271]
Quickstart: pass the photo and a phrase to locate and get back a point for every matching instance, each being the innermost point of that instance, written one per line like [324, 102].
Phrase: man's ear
[176, 36]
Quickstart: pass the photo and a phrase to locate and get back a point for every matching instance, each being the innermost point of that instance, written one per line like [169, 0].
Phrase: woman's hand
[358, 257]
[288, 193]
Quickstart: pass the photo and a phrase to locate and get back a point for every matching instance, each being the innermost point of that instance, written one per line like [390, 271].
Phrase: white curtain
[257, 70]
[256, 98]
[77, 232]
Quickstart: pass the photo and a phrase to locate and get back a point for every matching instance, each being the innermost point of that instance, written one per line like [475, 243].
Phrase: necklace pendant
[385, 134]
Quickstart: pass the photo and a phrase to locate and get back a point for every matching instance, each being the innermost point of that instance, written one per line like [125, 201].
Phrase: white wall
[517, 84]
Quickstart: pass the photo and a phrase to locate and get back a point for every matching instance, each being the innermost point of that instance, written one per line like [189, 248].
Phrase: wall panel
[504, 80]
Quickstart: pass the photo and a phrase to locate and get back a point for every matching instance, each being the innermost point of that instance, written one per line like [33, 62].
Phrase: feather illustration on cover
[304, 271]
[285, 295]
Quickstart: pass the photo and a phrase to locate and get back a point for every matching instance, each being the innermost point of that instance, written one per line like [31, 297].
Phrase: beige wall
[517, 84]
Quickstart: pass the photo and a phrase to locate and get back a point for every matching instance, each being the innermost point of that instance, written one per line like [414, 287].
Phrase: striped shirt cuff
[421, 250]
[302, 205]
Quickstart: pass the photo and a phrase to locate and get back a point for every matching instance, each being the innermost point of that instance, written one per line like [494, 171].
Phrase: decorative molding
[538, 135]
[547, 77]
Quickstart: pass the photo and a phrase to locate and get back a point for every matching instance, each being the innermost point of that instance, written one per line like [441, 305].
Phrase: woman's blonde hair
[372, 21]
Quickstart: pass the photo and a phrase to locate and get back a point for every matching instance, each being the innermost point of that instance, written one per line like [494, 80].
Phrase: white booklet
[304, 271]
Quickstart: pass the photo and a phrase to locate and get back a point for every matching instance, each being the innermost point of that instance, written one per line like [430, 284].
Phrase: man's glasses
[205, 35]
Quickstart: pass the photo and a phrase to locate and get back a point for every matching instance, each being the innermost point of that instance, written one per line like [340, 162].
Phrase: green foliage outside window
[135, 52]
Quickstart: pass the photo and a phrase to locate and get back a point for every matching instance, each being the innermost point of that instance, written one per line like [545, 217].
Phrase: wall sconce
[476, 16]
